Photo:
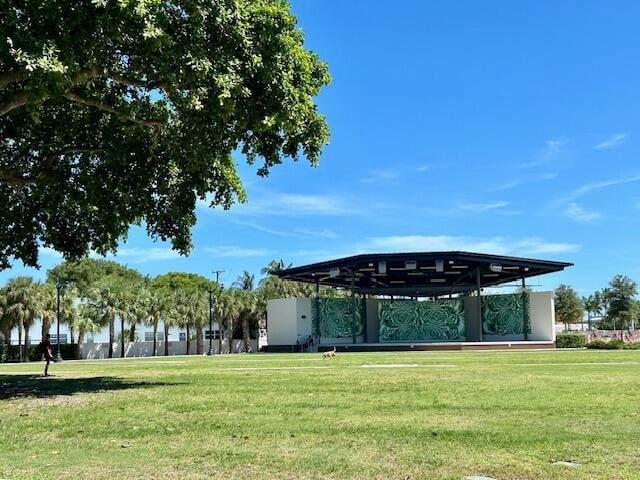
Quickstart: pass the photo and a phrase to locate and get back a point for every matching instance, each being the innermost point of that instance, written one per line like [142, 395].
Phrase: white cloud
[288, 204]
[578, 192]
[424, 168]
[325, 233]
[382, 175]
[495, 245]
[521, 181]
[579, 214]
[483, 207]
[612, 141]
[551, 149]
[237, 252]
[142, 255]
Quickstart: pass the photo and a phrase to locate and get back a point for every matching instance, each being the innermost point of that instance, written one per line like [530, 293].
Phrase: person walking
[45, 348]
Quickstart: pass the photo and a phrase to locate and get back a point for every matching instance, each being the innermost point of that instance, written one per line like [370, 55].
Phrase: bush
[633, 346]
[570, 340]
[615, 344]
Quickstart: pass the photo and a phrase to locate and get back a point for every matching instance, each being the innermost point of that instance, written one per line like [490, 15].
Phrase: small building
[423, 300]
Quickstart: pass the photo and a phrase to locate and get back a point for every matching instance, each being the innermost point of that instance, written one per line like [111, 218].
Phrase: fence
[95, 351]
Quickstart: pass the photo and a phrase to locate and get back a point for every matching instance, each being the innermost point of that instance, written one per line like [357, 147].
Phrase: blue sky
[502, 127]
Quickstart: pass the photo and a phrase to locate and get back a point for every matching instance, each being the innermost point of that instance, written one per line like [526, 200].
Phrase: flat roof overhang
[420, 274]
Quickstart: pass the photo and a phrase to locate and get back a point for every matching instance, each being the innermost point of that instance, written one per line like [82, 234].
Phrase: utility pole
[210, 352]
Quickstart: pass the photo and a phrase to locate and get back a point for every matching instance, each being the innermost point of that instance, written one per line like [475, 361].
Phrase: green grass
[505, 415]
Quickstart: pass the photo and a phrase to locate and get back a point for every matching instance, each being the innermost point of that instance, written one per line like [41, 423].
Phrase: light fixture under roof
[396, 281]
[495, 267]
[410, 264]
[511, 268]
[334, 272]
[382, 267]
[459, 266]
[490, 275]
[365, 269]
[438, 280]
[439, 265]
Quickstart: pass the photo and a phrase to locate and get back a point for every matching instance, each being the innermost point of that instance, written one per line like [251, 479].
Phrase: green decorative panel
[503, 314]
[335, 317]
[409, 321]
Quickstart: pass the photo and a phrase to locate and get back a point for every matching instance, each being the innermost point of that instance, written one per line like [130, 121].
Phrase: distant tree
[121, 112]
[21, 308]
[592, 306]
[245, 281]
[621, 298]
[568, 305]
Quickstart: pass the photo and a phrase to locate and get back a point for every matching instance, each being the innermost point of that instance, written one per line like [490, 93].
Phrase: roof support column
[525, 309]
[479, 302]
[318, 315]
[353, 306]
[364, 317]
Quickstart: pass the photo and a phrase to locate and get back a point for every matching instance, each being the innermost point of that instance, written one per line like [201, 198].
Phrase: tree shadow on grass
[21, 386]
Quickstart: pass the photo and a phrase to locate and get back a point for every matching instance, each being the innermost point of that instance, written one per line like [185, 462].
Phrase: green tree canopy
[120, 112]
[622, 305]
[569, 308]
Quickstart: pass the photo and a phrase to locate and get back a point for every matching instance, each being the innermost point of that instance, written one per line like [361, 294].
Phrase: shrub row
[571, 340]
[10, 353]
[615, 344]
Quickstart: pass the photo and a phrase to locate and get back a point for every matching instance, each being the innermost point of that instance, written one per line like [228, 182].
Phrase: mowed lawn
[441, 415]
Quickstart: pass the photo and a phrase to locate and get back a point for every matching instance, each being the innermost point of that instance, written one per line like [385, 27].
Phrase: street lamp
[210, 352]
[60, 285]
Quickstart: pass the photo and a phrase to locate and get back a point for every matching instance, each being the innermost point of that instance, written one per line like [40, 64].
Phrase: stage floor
[436, 346]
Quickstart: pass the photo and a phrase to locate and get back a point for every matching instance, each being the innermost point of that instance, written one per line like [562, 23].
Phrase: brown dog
[329, 353]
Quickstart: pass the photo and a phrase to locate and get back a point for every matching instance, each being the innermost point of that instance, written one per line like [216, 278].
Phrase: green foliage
[623, 308]
[127, 112]
[32, 353]
[569, 308]
[571, 340]
[615, 344]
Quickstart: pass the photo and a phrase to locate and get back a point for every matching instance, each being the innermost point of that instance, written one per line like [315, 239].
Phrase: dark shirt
[46, 348]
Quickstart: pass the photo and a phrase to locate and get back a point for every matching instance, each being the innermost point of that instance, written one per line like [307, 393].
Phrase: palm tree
[21, 308]
[105, 297]
[46, 293]
[245, 281]
[86, 321]
[153, 313]
[5, 322]
[591, 305]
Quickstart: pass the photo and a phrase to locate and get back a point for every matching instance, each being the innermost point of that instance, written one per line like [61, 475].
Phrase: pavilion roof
[420, 273]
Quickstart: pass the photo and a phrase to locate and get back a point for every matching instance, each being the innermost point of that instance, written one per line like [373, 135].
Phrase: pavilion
[427, 300]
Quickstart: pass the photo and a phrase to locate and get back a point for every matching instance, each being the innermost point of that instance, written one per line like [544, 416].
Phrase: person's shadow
[20, 386]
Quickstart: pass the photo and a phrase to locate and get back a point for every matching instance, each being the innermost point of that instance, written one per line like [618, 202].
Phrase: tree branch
[12, 77]
[14, 180]
[108, 108]
[18, 100]
[134, 82]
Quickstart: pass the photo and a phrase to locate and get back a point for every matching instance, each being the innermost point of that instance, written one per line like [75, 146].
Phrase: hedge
[615, 344]
[571, 340]
[10, 353]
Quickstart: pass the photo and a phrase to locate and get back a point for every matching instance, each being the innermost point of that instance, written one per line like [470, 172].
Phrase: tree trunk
[155, 338]
[230, 336]
[46, 326]
[166, 339]
[71, 332]
[26, 341]
[121, 337]
[219, 336]
[80, 337]
[199, 341]
[245, 333]
[188, 337]
[20, 341]
[112, 335]
[132, 333]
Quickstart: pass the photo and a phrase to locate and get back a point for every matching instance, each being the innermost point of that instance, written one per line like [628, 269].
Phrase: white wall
[282, 321]
[543, 317]
[95, 351]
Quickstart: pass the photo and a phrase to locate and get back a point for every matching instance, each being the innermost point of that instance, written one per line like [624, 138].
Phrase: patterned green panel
[335, 319]
[502, 314]
[408, 321]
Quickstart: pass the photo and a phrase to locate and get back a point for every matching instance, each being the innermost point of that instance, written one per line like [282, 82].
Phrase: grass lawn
[399, 415]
